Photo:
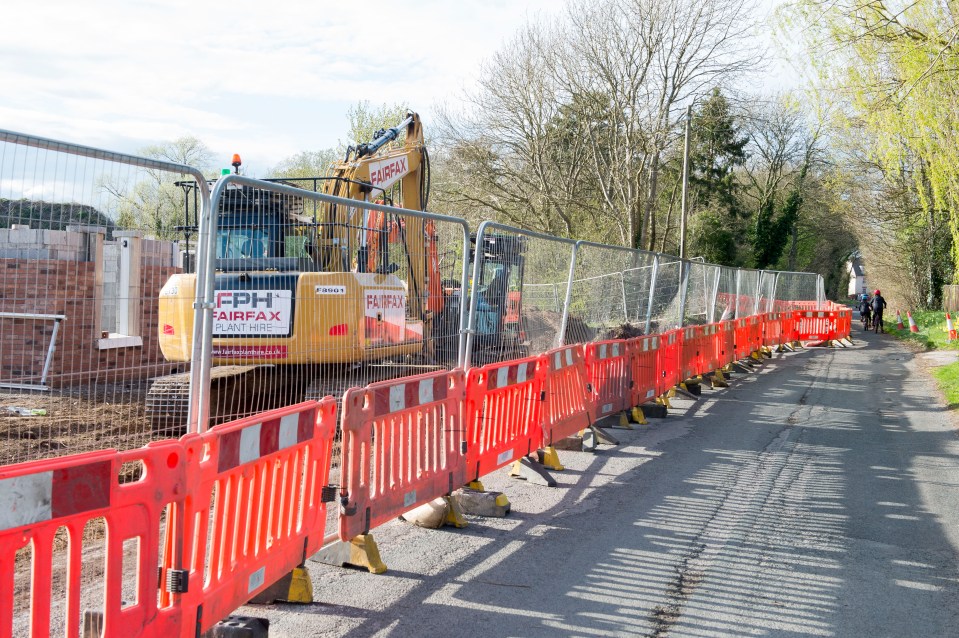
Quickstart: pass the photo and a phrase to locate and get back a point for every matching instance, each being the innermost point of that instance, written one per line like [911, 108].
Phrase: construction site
[198, 435]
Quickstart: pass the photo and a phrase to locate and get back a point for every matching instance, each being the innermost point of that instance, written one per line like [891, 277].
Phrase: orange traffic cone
[912, 323]
[899, 321]
[950, 328]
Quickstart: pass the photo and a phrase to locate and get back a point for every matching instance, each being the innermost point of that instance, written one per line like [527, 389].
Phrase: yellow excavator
[310, 294]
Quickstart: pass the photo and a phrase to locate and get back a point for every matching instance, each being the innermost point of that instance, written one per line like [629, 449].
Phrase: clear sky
[265, 79]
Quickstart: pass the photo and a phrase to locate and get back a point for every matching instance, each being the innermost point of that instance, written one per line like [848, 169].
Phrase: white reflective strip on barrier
[289, 429]
[426, 391]
[250, 443]
[502, 377]
[397, 397]
[26, 500]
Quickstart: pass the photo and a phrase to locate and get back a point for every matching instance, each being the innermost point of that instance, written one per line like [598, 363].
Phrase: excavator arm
[371, 172]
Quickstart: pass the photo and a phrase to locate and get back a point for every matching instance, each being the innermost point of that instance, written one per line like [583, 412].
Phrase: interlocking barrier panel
[726, 342]
[108, 507]
[712, 342]
[568, 401]
[755, 332]
[772, 329]
[743, 338]
[691, 355]
[815, 325]
[644, 360]
[255, 508]
[609, 373]
[504, 412]
[670, 350]
[402, 446]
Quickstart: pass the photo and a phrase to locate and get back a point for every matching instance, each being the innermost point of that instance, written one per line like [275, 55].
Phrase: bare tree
[567, 127]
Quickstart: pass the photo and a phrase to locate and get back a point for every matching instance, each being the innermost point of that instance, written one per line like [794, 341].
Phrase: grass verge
[932, 335]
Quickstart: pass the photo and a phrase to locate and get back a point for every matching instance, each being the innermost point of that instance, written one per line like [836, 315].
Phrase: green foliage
[365, 120]
[711, 238]
[892, 77]
[716, 150]
[306, 164]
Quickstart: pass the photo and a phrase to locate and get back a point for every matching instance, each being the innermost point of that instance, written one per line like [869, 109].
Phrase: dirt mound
[542, 326]
[624, 331]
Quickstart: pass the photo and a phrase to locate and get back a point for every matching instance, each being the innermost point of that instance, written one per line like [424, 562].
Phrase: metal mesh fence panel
[520, 281]
[767, 291]
[748, 292]
[314, 295]
[796, 290]
[726, 294]
[88, 240]
[666, 298]
[700, 293]
[610, 290]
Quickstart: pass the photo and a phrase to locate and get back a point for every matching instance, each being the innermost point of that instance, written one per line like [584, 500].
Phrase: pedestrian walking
[878, 305]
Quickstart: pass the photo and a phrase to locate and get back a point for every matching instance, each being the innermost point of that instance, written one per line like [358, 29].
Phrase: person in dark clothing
[878, 305]
[865, 312]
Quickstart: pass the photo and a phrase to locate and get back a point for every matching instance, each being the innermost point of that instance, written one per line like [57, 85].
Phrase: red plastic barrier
[755, 332]
[743, 338]
[691, 359]
[669, 364]
[255, 509]
[503, 414]
[844, 324]
[772, 329]
[644, 355]
[567, 404]
[815, 325]
[402, 446]
[40, 497]
[726, 342]
[712, 344]
[609, 373]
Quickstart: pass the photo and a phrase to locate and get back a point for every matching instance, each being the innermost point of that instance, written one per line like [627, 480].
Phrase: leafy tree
[717, 148]
[153, 202]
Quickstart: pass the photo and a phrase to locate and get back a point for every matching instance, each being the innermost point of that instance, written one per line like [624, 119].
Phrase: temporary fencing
[403, 445]
[669, 360]
[644, 366]
[110, 508]
[568, 400]
[817, 325]
[504, 413]
[551, 325]
[609, 373]
[81, 289]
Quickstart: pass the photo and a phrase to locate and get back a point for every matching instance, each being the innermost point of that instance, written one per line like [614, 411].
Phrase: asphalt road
[815, 497]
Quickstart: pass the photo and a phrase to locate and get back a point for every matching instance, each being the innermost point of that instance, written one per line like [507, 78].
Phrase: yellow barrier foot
[230, 627]
[740, 367]
[719, 381]
[479, 503]
[670, 393]
[755, 356]
[295, 587]
[359, 552]
[638, 416]
[476, 486]
[623, 421]
[664, 400]
[549, 457]
[766, 352]
[693, 387]
[454, 514]
[797, 345]
[532, 471]
[727, 368]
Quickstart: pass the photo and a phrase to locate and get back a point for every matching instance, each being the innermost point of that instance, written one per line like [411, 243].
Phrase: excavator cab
[499, 327]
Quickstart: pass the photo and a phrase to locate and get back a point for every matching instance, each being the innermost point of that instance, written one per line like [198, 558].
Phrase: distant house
[857, 277]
